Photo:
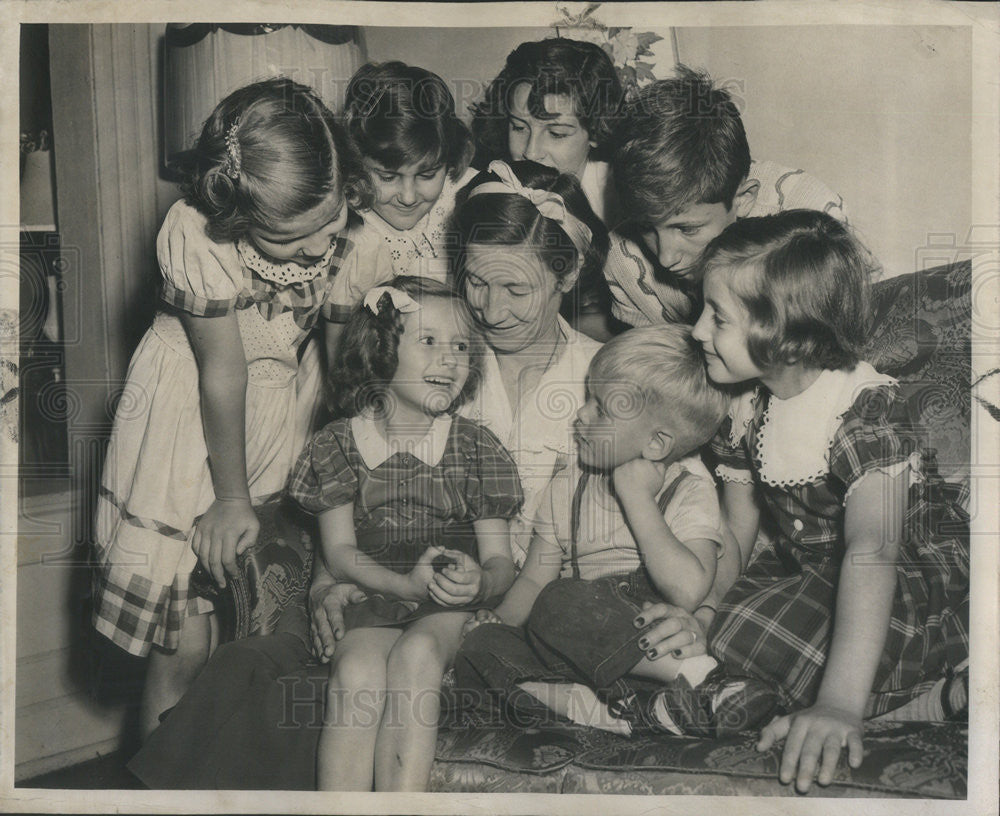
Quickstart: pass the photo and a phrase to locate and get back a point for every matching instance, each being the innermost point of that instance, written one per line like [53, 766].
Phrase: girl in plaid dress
[862, 605]
[207, 425]
[413, 504]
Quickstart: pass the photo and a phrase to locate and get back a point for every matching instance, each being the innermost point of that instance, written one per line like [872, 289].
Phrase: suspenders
[665, 497]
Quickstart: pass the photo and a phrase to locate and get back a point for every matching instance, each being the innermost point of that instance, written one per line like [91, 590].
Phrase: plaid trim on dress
[775, 621]
[305, 299]
[132, 610]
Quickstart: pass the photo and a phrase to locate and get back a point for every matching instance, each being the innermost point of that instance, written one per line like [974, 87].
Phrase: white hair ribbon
[550, 205]
[401, 301]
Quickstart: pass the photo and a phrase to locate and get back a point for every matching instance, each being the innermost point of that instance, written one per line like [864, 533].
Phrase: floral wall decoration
[626, 47]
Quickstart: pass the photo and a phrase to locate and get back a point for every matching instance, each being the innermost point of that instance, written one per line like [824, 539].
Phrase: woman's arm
[814, 737]
[541, 567]
[230, 525]
[682, 633]
[346, 562]
[327, 600]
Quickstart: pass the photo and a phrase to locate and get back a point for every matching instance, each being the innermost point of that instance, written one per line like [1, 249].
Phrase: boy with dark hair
[683, 173]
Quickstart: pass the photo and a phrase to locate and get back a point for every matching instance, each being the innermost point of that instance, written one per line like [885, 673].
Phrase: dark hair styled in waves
[399, 114]
[582, 71]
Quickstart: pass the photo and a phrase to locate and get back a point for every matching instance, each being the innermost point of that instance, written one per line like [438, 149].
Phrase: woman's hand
[459, 582]
[674, 631]
[226, 530]
[482, 616]
[814, 735]
[327, 600]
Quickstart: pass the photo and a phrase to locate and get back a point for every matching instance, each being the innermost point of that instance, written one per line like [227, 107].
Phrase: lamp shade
[205, 62]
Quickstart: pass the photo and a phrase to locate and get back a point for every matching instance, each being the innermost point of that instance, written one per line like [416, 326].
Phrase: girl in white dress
[204, 430]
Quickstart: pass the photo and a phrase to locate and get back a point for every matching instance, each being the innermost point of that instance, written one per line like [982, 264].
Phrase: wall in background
[881, 114]
[467, 59]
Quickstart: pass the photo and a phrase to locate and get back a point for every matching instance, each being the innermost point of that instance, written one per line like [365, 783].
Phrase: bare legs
[170, 673]
[383, 702]
[355, 701]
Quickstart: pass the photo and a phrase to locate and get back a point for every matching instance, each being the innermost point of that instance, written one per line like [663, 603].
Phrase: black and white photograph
[547, 407]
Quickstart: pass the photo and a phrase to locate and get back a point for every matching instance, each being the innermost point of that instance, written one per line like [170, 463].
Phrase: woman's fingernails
[651, 654]
[677, 652]
[643, 644]
[640, 621]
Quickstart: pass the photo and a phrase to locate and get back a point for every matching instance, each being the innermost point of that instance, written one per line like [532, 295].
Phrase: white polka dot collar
[283, 274]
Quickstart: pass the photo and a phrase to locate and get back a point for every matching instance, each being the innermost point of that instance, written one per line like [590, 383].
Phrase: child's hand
[814, 735]
[639, 477]
[482, 616]
[421, 577]
[458, 583]
[226, 530]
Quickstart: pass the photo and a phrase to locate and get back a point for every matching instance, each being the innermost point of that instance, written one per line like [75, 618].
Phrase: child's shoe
[720, 706]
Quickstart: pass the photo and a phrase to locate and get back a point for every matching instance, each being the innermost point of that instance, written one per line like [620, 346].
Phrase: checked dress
[407, 500]
[775, 622]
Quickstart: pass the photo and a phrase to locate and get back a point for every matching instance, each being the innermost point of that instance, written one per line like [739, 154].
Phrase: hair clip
[401, 301]
[550, 205]
[369, 107]
[231, 167]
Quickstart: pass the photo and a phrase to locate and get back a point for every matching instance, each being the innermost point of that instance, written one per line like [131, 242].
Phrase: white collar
[285, 273]
[795, 436]
[376, 449]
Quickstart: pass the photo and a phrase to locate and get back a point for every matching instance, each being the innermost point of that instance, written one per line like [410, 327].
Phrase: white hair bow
[401, 301]
[550, 205]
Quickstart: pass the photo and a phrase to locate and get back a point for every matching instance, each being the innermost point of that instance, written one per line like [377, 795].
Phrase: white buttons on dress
[798, 525]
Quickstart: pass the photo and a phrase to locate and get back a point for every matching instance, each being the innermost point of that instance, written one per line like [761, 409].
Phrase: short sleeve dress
[775, 622]
[422, 250]
[406, 501]
[156, 481]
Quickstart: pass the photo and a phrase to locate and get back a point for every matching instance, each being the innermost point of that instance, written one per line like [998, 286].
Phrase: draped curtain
[204, 62]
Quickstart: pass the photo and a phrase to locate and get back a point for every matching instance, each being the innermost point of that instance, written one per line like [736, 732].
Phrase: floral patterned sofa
[922, 337]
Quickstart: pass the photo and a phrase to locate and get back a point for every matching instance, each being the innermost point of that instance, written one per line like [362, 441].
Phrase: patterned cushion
[924, 760]
[273, 573]
[922, 336]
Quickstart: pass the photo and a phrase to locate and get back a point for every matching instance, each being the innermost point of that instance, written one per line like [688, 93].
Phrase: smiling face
[513, 295]
[561, 142]
[405, 195]
[722, 331]
[306, 238]
[614, 425]
[433, 359]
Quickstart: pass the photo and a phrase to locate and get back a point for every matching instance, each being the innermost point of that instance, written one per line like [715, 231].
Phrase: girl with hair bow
[413, 505]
